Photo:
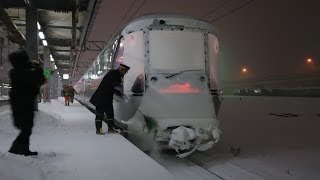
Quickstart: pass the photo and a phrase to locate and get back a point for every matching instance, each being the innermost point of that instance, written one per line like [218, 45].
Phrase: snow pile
[180, 138]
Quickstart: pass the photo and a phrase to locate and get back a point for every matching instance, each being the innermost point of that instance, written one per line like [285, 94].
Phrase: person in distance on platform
[66, 94]
[72, 93]
[102, 98]
[26, 78]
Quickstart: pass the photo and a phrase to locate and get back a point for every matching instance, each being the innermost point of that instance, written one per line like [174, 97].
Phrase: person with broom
[102, 98]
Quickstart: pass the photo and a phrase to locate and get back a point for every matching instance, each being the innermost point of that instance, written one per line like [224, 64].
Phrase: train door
[130, 51]
[213, 48]
[213, 66]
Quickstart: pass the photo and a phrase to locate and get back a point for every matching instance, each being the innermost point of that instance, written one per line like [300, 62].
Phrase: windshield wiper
[180, 72]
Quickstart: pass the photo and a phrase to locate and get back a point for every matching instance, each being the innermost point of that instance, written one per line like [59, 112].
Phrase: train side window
[118, 58]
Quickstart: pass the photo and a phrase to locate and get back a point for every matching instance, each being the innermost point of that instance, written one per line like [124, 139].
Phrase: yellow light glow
[309, 60]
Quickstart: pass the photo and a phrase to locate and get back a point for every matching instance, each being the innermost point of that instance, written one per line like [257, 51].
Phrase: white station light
[41, 35]
[44, 42]
[65, 76]
[39, 27]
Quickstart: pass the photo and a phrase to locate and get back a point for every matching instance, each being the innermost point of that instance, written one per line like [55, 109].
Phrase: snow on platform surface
[69, 149]
[4, 98]
[278, 137]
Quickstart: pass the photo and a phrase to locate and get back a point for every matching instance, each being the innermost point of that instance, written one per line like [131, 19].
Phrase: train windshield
[174, 51]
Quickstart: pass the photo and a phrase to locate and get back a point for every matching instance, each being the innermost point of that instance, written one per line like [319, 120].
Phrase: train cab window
[176, 50]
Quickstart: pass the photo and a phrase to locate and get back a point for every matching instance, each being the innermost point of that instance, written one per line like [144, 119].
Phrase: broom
[151, 123]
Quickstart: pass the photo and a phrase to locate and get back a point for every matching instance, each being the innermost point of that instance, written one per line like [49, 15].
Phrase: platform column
[32, 34]
[54, 85]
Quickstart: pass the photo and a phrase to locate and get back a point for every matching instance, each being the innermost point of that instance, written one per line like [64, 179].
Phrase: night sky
[271, 39]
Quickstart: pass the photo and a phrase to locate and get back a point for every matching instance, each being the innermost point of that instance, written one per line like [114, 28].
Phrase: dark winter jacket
[26, 79]
[109, 85]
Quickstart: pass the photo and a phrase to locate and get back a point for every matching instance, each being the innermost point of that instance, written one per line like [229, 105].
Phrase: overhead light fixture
[44, 42]
[39, 27]
[51, 57]
[41, 35]
[26, 2]
[65, 76]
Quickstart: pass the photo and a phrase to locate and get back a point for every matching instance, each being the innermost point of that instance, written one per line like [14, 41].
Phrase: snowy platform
[70, 149]
[4, 100]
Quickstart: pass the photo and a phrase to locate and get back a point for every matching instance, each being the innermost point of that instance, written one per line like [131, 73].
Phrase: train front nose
[183, 107]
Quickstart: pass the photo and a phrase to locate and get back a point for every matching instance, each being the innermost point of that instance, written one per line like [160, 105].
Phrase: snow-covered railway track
[183, 168]
[215, 175]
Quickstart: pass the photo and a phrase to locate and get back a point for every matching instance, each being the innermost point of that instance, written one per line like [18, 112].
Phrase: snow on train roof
[170, 19]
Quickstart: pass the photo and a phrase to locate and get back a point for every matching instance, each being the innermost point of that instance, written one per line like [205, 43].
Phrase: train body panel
[172, 80]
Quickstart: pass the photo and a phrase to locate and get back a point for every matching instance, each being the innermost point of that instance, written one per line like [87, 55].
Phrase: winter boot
[113, 130]
[100, 132]
[116, 130]
[22, 149]
[30, 153]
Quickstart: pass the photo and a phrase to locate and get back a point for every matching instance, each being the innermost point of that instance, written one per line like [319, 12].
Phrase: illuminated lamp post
[244, 72]
[310, 62]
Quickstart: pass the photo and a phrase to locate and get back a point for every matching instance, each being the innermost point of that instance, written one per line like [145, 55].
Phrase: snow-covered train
[172, 86]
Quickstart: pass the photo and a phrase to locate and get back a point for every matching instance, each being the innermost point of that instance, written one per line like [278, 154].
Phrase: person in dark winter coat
[66, 94]
[72, 93]
[102, 98]
[26, 78]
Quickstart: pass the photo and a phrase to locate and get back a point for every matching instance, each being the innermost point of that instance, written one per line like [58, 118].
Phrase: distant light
[44, 42]
[244, 69]
[121, 44]
[41, 35]
[309, 60]
[65, 76]
[257, 91]
[51, 58]
[39, 27]
[55, 67]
